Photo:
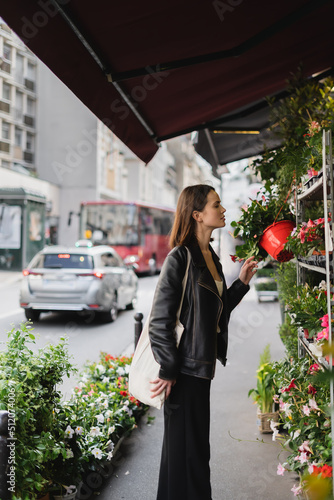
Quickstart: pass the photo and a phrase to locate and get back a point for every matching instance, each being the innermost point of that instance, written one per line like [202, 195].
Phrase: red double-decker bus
[138, 231]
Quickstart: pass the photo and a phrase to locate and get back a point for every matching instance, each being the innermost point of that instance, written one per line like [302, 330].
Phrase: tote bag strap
[184, 282]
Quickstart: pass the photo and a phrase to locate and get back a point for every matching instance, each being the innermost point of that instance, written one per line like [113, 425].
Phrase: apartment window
[6, 88]
[5, 130]
[7, 52]
[19, 100]
[30, 107]
[19, 68]
[30, 142]
[18, 137]
[31, 70]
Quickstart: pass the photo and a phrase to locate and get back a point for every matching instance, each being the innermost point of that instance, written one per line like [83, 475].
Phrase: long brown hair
[192, 198]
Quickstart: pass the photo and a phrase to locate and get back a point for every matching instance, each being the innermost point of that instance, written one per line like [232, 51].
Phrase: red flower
[314, 368]
[324, 470]
[311, 389]
[291, 386]
[233, 257]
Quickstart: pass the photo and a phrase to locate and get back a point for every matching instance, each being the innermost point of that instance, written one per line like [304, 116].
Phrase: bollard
[138, 326]
[4, 450]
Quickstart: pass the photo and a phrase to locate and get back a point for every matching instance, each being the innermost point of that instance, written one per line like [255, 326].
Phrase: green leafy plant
[28, 391]
[264, 392]
[308, 307]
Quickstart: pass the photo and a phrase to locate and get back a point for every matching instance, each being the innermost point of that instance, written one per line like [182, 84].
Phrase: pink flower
[302, 458]
[280, 470]
[313, 404]
[304, 447]
[296, 490]
[323, 334]
[324, 321]
[306, 410]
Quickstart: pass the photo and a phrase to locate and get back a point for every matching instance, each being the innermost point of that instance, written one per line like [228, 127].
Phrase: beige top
[219, 285]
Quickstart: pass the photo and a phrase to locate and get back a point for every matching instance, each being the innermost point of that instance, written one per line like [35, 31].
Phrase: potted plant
[264, 392]
[257, 225]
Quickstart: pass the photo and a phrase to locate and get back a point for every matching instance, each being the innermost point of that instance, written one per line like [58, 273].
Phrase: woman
[186, 371]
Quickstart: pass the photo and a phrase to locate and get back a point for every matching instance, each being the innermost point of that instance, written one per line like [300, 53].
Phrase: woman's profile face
[213, 213]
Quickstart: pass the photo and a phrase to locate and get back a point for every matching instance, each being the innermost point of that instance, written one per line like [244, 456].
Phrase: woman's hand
[160, 385]
[248, 270]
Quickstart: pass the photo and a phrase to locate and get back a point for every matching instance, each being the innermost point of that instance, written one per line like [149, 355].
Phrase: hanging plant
[254, 220]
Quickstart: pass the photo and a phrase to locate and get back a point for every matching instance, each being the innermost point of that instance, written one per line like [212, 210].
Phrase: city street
[86, 338]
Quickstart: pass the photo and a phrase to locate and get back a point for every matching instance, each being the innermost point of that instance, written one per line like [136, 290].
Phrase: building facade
[49, 138]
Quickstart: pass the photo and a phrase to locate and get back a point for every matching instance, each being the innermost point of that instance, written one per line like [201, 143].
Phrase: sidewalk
[9, 277]
[242, 468]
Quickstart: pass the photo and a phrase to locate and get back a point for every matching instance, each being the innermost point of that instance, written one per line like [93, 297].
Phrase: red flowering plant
[255, 218]
[304, 402]
[307, 238]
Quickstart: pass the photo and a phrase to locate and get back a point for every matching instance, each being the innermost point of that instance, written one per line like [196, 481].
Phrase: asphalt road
[87, 338]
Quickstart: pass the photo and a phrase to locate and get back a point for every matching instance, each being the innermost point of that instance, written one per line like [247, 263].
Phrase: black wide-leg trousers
[184, 468]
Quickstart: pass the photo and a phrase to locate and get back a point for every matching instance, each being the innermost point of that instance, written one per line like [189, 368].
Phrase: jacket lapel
[205, 278]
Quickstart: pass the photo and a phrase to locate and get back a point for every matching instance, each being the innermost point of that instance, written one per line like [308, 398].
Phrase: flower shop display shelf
[306, 346]
[316, 263]
[314, 191]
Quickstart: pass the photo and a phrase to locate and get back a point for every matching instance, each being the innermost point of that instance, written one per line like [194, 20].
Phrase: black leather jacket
[203, 311]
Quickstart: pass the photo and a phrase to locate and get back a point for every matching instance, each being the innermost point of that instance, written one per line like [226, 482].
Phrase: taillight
[28, 272]
[96, 274]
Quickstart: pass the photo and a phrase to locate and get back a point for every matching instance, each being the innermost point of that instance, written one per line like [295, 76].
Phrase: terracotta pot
[274, 238]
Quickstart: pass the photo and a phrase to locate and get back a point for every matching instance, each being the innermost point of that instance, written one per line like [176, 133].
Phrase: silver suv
[78, 279]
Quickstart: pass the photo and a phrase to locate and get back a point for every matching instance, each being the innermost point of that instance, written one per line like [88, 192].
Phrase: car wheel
[32, 314]
[112, 314]
[131, 306]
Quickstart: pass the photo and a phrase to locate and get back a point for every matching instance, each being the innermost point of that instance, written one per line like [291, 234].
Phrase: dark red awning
[154, 70]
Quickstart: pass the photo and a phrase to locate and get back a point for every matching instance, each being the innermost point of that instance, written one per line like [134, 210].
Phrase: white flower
[109, 413]
[97, 453]
[273, 427]
[105, 403]
[306, 410]
[100, 369]
[296, 434]
[95, 431]
[69, 432]
[105, 380]
[69, 453]
[120, 371]
[79, 430]
[111, 429]
[110, 455]
[100, 418]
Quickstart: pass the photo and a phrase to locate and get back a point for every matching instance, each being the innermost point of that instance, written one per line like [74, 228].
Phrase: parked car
[78, 279]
